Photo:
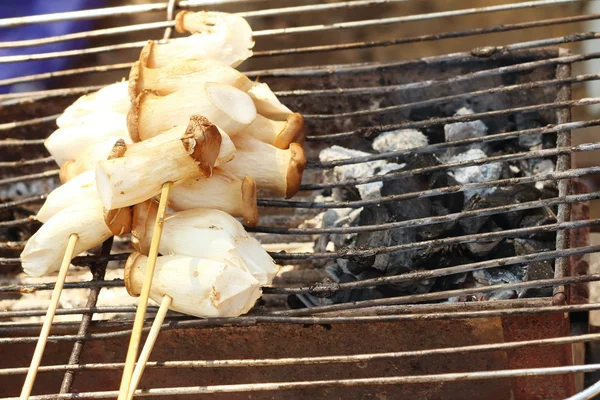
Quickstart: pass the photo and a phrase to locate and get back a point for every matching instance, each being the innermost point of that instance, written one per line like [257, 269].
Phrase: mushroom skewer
[140, 314]
[149, 344]
[45, 332]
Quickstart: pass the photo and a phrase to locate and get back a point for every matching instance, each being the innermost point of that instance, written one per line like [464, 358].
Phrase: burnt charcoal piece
[472, 225]
[535, 271]
[529, 121]
[512, 195]
[388, 263]
[420, 160]
[499, 276]
[434, 133]
[405, 209]
[539, 220]
[453, 202]
[450, 282]
[429, 232]
[525, 246]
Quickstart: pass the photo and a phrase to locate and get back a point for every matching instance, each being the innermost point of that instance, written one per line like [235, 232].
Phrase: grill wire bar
[341, 125]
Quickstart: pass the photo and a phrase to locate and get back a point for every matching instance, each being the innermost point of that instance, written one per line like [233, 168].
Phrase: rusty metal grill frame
[406, 308]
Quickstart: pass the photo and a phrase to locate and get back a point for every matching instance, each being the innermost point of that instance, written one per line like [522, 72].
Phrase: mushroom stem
[181, 75]
[67, 144]
[277, 170]
[199, 287]
[176, 155]
[44, 251]
[223, 105]
[206, 233]
[222, 191]
[277, 133]
[89, 157]
[113, 98]
[217, 36]
[81, 189]
[267, 103]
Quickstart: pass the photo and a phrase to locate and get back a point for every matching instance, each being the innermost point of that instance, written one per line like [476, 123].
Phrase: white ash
[399, 140]
[464, 130]
[542, 167]
[368, 191]
[531, 142]
[28, 189]
[333, 218]
[475, 173]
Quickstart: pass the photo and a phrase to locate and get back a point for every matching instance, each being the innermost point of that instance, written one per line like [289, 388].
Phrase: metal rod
[372, 251]
[34, 121]
[336, 359]
[395, 380]
[45, 331]
[98, 273]
[432, 273]
[30, 177]
[572, 173]
[255, 320]
[409, 18]
[426, 38]
[526, 155]
[418, 222]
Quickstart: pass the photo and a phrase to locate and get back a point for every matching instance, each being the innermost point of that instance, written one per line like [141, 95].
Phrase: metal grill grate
[314, 351]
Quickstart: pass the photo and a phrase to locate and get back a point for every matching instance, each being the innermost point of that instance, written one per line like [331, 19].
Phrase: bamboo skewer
[149, 345]
[140, 314]
[44, 333]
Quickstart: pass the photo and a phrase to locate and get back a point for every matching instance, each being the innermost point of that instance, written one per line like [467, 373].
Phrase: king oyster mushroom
[174, 156]
[225, 106]
[277, 170]
[202, 232]
[67, 143]
[222, 191]
[114, 98]
[200, 287]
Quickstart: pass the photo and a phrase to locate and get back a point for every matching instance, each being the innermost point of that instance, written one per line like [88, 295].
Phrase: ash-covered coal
[392, 218]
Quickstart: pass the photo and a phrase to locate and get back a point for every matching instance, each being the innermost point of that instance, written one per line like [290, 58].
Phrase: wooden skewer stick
[149, 345]
[140, 315]
[45, 332]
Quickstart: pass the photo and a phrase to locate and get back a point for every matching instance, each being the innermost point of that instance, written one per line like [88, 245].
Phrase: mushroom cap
[118, 220]
[143, 217]
[249, 198]
[295, 170]
[294, 130]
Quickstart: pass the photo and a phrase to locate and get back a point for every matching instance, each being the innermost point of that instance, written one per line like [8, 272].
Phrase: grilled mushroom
[113, 98]
[273, 169]
[267, 103]
[89, 157]
[223, 105]
[66, 144]
[205, 233]
[222, 191]
[216, 36]
[174, 156]
[45, 250]
[278, 133]
[199, 287]
[181, 75]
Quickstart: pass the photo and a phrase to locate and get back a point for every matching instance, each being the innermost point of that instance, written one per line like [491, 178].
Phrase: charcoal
[535, 271]
[524, 246]
[464, 130]
[367, 191]
[475, 173]
[453, 202]
[388, 263]
[421, 160]
[539, 220]
[472, 225]
[542, 167]
[429, 232]
[482, 248]
[528, 121]
[450, 282]
[512, 195]
[499, 276]
[406, 209]
[399, 140]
